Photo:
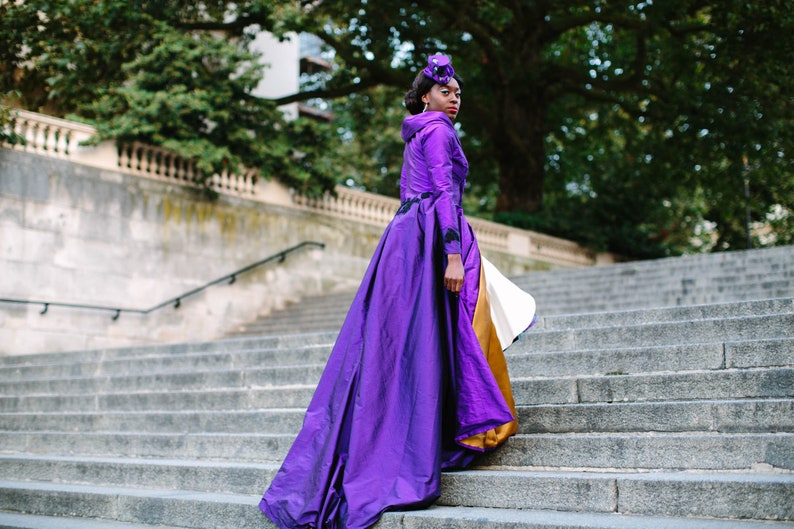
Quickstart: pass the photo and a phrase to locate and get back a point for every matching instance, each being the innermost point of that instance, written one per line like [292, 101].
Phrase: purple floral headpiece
[439, 68]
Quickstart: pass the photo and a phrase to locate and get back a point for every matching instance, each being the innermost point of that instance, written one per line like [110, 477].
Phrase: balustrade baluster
[65, 140]
[181, 168]
[188, 174]
[21, 128]
[138, 158]
[140, 153]
[143, 162]
[57, 141]
[157, 160]
[44, 143]
[35, 137]
[149, 164]
[165, 164]
[120, 155]
[175, 167]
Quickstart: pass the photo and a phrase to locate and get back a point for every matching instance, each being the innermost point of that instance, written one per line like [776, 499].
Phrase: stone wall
[76, 234]
[129, 228]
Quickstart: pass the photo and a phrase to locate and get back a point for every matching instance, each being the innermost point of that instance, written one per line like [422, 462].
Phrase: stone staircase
[651, 395]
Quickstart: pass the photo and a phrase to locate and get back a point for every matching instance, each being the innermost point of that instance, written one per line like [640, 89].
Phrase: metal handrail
[176, 301]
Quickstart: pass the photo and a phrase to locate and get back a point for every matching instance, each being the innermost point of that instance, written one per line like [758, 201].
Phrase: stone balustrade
[61, 138]
[48, 135]
[154, 162]
[352, 204]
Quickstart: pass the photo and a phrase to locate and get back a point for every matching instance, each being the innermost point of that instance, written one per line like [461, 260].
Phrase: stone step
[305, 313]
[206, 510]
[620, 291]
[678, 416]
[701, 494]
[208, 379]
[177, 474]
[754, 495]
[616, 387]
[441, 517]
[663, 333]
[666, 314]
[631, 450]
[204, 399]
[706, 385]
[221, 446]
[171, 363]
[634, 327]
[315, 306]
[10, 520]
[284, 342]
[732, 262]
[657, 295]
[666, 282]
[579, 305]
[317, 316]
[266, 330]
[274, 421]
[645, 450]
[196, 510]
[95, 390]
[310, 346]
[661, 279]
[740, 354]
[683, 357]
[745, 415]
[730, 416]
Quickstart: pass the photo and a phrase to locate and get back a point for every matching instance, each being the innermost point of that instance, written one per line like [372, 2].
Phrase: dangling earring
[425, 109]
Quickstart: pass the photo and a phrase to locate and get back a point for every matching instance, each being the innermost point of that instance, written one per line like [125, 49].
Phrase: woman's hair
[421, 85]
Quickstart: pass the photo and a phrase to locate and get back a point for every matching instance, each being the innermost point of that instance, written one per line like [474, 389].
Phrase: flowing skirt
[416, 383]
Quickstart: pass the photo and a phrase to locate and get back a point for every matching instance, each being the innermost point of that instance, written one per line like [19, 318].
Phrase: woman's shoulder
[427, 124]
[440, 130]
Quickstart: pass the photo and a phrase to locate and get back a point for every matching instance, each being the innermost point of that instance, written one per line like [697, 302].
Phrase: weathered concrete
[656, 418]
[73, 233]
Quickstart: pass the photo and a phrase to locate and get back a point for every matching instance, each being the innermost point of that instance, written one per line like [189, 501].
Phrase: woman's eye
[444, 92]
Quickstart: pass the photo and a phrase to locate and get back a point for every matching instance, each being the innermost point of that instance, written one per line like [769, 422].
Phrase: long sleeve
[439, 145]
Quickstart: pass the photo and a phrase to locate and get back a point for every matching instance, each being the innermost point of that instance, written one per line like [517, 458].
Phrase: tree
[679, 91]
[624, 124]
[147, 71]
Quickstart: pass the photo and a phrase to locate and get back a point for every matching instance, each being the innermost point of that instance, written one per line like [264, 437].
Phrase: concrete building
[286, 62]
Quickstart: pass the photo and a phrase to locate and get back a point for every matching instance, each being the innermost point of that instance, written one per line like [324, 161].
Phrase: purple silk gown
[407, 381]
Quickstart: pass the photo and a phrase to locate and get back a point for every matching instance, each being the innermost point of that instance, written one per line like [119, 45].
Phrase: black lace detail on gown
[451, 235]
[405, 206]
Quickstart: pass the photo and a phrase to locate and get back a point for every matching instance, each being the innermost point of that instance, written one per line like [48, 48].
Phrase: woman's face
[444, 98]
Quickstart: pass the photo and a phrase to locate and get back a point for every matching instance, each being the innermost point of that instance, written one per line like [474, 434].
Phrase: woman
[417, 380]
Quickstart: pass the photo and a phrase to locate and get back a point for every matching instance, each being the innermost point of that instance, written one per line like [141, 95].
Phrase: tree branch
[557, 27]
[234, 27]
[483, 34]
[329, 93]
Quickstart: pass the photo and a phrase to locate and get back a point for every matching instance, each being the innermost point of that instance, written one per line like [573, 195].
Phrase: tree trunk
[522, 155]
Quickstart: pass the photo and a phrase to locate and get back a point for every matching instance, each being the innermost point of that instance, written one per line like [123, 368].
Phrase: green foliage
[7, 133]
[622, 125]
[164, 73]
[630, 126]
[190, 95]
[371, 149]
